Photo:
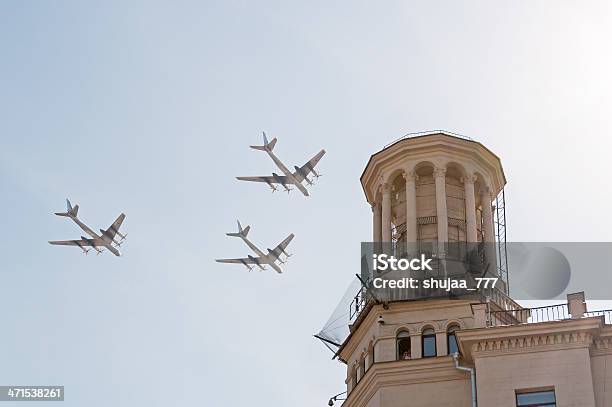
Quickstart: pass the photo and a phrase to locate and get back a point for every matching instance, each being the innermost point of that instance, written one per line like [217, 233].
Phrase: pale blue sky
[149, 108]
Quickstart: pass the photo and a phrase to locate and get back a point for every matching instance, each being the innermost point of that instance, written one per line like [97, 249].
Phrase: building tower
[434, 187]
[443, 189]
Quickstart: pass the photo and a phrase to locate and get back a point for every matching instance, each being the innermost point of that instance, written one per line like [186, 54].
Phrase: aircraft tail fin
[267, 146]
[70, 211]
[272, 144]
[241, 232]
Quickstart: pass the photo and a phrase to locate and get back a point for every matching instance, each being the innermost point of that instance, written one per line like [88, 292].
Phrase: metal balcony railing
[358, 304]
[607, 314]
[528, 315]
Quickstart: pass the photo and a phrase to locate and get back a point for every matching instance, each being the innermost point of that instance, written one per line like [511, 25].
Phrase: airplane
[290, 178]
[105, 240]
[263, 259]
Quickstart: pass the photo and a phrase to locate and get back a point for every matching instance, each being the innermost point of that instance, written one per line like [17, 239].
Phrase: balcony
[537, 315]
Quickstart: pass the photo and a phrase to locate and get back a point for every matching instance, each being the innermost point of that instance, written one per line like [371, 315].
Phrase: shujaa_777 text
[384, 262]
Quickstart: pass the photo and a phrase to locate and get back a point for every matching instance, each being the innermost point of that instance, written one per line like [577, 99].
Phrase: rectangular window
[429, 346]
[452, 344]
[536, 398]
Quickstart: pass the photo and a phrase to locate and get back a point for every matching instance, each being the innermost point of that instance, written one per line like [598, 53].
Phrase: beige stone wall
[455, 202]
[410, 316]
[426, 196]
[601, 370]
[455, 393]
[573, 356]
[378, 341]
[422, 382]
[567, 370]
[426, 205]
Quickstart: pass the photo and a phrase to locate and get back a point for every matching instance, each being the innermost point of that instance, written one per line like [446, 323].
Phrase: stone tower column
[376, 222]
[470, 209]
[441, 210]
[487, 215]
[411, 209]
[386, 213]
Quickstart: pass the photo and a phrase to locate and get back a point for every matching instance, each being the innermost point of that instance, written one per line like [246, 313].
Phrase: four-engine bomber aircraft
[263, 259]
[290, 178]
[105, 240]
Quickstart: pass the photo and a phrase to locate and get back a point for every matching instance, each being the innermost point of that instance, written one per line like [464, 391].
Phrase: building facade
[439, 189]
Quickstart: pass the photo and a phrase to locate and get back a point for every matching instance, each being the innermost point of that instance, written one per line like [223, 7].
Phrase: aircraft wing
[79, 242]
[307, 168]
[280, 249]
[246, 260]
[279, 179]
[114, 228]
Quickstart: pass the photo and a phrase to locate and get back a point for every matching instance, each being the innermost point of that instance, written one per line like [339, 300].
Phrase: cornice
[435, 143]
[532, 343]
[602, 346]
[525, 338]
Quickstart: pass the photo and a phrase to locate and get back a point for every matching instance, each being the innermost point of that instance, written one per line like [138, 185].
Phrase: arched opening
[451, 339]
[428, 342]
[398, 212]
[479, 186]
[362, 367]
[455, 203]
[371, 360]
[404, 350]
[427, 231]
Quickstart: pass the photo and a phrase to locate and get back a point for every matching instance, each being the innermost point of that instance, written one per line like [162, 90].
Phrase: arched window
[362, 367]
[354, 376]
[451, 339]
[404, 351]
[429, 343]
[370, 356]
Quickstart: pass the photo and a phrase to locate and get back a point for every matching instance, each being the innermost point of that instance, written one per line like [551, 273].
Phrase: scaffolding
[500, 237]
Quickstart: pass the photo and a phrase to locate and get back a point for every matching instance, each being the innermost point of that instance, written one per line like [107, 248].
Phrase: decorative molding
[454, 322]
[602, 346]
[396, 312]
[432, 149]
[405, 328]
[410, 176]
[439, 172]
[523, 344]
[469, 179]
[602, 343]
[435, 325]
[485, 191]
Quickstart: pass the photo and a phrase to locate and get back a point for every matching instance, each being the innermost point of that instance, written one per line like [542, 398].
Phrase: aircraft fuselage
[269, 261]
[94, 235]
[287, 173]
